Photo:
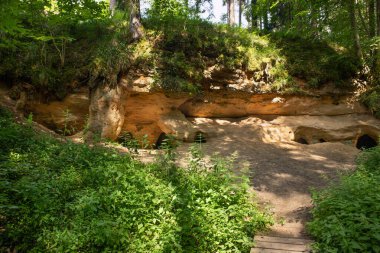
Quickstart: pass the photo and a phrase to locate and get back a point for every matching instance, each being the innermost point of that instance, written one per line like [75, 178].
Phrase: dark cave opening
[365, 142]
[161, 141]
[302, 141]
[200, 138]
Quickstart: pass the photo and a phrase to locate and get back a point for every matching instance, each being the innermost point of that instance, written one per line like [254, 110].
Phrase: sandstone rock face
[106, 112]
[347, 129]
[175, 123]
[318, 129]
[133, 107]
[68, 115]
[146, 113]
[232, 105]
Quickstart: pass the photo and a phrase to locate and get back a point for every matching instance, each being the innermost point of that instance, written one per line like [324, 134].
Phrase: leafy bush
[186, 47]
[65, 197]
[346, 216]
[313, 60]
[371, 99]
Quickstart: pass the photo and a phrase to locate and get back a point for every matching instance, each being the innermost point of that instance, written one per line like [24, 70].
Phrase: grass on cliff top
[176, 53]
[66, 197]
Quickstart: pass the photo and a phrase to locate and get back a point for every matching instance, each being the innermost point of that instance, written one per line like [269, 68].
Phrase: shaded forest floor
[283, 174]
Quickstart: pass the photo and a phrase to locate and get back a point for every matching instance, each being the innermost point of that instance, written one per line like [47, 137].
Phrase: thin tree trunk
[265, 20]
[354, 28]
[253, 14]
[363, 21]
[135, 25]
[261, 23]
[376, 65]
[231, 12]
[372, 33]
[372, 17]
[240, 11]
[197, 6]
[378, 16]
[112, 7]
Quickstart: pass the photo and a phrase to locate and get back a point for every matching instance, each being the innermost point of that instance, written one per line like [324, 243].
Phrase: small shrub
[371, 99]
[313, 60]
[346, 216]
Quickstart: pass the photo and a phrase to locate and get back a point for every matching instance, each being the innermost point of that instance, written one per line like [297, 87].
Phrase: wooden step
[271, 244]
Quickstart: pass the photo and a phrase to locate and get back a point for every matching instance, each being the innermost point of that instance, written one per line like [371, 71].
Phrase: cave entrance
[302, 141]
[161, 141]
[366, 142]
[125, 139]
[200, 138]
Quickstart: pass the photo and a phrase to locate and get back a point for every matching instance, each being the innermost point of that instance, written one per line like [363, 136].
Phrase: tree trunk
[371, 16]
[240, 11]
[253, 14]
[135, 25]
[106, 112]
[231, 12]
[363, 21]
[197, 6]
[376, 67]
[112, 7]
[265, 20]
[354, 29]
[378, 16]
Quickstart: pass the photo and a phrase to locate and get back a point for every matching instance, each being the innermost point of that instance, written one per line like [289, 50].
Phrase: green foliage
[346, 216]
[59, 45]
[164, 9]
[315, 61]
[187, 47]
[203, 192]
[371, 99]
[47, 43]
[65, 197]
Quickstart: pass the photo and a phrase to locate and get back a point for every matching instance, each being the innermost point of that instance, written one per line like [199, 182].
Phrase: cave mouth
[161, 141]
[302, 141]
[322, 140]
[200, 138]
[125, 139]
[365, 142]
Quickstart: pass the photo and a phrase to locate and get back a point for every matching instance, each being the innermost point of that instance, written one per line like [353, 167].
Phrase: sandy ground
[282, 173]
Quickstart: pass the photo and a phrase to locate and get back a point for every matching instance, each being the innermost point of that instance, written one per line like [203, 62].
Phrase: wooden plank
[283, 246]
[282, 240]
[261, 250]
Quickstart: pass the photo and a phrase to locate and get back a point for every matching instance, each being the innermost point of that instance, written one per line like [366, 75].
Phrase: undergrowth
[371, 99]
[346, 216]
[59, 196]
[176, 52]
[315, 61]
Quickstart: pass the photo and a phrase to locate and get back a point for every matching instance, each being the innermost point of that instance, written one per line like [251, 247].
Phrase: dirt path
[282, 172]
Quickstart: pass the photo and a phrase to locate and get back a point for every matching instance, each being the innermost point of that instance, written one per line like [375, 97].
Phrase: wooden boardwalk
[272, 244]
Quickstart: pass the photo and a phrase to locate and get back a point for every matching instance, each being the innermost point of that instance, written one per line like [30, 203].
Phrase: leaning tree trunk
[354, 29]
